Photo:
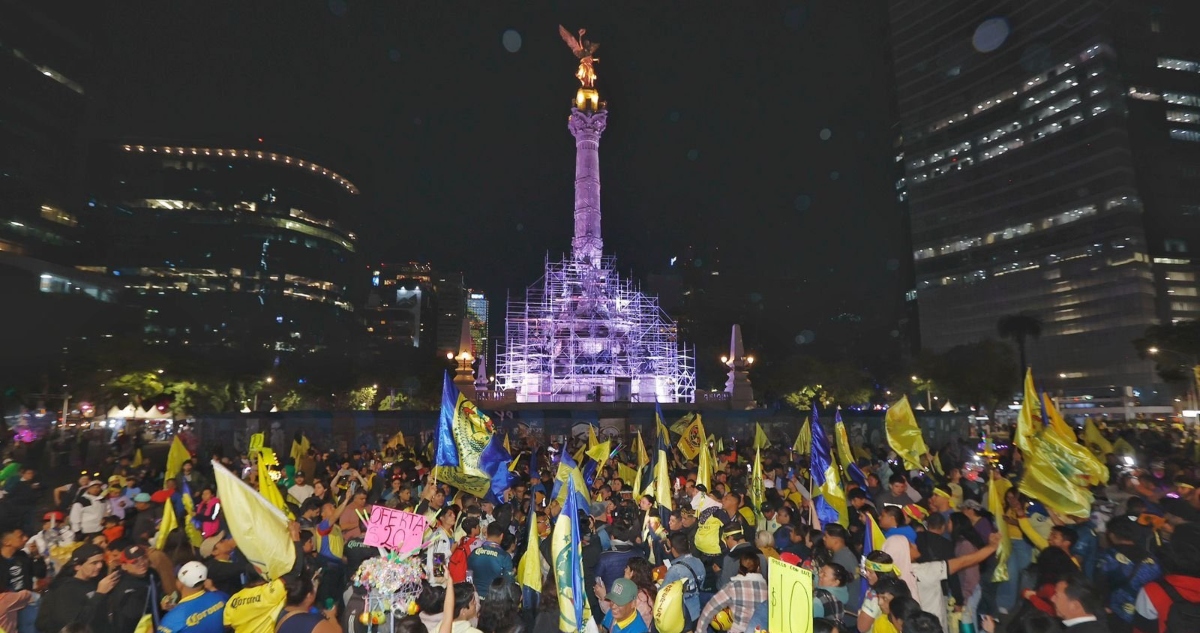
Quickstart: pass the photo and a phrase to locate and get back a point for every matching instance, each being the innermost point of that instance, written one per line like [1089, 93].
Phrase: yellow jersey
[255, 609]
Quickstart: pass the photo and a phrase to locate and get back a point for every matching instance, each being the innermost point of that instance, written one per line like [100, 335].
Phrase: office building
[225, 245]
[1051, 158]
[399, 306]
[477, 314]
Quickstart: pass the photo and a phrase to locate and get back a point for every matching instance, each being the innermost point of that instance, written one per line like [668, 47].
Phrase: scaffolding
[582, 334]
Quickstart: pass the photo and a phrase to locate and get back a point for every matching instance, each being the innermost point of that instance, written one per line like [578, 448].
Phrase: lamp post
[1192, 363]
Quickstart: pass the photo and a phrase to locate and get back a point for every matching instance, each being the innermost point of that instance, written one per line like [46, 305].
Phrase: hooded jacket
[87, 514]
[1153, 604]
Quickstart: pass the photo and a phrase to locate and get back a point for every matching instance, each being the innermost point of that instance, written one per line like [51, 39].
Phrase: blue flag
[852, 470]
[494, 461]
[445, 448]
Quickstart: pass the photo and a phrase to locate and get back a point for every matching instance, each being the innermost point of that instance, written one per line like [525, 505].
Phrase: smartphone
[439, 565]
[791, 473]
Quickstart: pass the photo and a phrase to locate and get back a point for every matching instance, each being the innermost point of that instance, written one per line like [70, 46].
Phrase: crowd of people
[93, 556]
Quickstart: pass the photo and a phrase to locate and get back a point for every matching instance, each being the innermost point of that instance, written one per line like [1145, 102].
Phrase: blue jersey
[198, 613]
[487, 563]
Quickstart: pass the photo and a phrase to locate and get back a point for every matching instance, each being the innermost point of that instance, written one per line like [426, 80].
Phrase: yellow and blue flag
[872, 541]
[828, 497]
[853, 472]
[463, 432]
[568, 472]
[565, 549]
[494, 462]
[997, 488]
[662, 468]
[692, 440]
[529, 569]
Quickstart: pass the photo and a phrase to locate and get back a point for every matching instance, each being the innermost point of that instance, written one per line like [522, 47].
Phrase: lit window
[1183, 291]
[1185, 135]
[1183, 116]
[1186, 65]
[1178, 98]
[1177, 275]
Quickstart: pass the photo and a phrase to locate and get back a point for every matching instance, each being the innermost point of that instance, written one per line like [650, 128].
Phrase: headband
[881, 568]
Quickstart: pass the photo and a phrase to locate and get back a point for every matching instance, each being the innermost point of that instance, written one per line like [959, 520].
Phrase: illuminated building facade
[477, 315]
[1051, 159]
[581, 333]
[225, 245]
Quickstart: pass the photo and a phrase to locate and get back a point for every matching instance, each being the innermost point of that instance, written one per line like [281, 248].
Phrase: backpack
[457, 567]
[1182, 616]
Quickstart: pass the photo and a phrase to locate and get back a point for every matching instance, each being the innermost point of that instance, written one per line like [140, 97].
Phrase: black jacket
[128, 602]
[71, 600]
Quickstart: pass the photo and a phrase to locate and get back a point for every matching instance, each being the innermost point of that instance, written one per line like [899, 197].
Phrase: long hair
[961, 529]
[502, 607]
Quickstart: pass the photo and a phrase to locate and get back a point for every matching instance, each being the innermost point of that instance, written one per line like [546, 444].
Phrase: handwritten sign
[791, 598]
[396, 530]
[256, 443]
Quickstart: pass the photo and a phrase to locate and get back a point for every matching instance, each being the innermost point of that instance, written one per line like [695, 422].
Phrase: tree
[136, 387]
[290, 401]
[362, 399]
[1020, 328]
[1177, 345]
[979, 373]
[393, 402]
[799, 379]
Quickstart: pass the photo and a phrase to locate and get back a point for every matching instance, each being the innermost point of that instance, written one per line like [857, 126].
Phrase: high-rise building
[1052, 157]
[477, 313]
[400, 305]
[581, 333]
[450, 303]
[45, 57]
[223, 245]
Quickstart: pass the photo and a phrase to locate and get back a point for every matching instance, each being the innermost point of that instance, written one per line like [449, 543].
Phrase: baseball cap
[193, 574]
[133, 553]
[94, 482]
[54, 515]
[623, 592]
[141, 497]
[971, 504]
[209, 543]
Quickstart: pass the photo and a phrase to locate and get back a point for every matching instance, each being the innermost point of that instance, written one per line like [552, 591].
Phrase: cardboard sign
[790, 605]
[398, 530]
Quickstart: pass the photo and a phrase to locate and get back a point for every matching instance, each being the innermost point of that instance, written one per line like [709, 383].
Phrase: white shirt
[929, 588]
[300, 492]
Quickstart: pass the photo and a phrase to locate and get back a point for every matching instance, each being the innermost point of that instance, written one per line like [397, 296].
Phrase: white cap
[193, 574]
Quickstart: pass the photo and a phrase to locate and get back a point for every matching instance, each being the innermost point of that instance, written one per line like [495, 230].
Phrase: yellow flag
[1029, 420]
[803, 442]
[639, 451]
[996, 490]
[137, 458]
[1056, 422]
[1121, 447]
[599, 453]
[937, 463]
[681, 424]
[592, 439]
[1046, 478]
[175, 458]
[266, 485]
[507, 446]
[704, 468]
[260, 529]
[529, 569]
[692, 440]
[843, 444]
[168, 524]
[627, 474]
[1095, 439]
[760, 437]
[756, 481]
[1075, 457]
[903, 434]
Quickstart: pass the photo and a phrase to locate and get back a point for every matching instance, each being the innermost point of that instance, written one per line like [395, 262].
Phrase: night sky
[759, 128]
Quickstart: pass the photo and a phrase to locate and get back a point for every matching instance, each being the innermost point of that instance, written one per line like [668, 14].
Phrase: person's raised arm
[954, 565]
[447, 624]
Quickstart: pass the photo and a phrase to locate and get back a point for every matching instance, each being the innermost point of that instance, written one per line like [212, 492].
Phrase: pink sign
[395, 530]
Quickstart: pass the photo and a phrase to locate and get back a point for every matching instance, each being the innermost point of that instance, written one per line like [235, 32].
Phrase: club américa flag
[463, 434]
[565, 551]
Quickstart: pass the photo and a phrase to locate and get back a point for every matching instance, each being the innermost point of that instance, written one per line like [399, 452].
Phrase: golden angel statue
[583, 49]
